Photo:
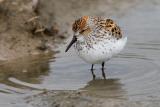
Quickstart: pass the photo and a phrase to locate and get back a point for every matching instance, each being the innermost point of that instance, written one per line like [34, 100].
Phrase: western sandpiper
[96, 40]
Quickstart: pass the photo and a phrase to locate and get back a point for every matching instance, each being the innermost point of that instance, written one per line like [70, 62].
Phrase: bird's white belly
[102, 51]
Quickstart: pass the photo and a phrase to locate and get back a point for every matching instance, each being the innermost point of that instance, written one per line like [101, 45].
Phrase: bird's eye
[81, 31]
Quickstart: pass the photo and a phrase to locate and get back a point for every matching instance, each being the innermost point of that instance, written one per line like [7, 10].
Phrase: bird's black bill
[74, 39]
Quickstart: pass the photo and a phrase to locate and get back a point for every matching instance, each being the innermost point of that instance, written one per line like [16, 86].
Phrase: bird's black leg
[93, 72]
[103, 73]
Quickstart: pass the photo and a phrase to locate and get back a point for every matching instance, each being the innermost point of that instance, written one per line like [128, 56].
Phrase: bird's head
[81, 28]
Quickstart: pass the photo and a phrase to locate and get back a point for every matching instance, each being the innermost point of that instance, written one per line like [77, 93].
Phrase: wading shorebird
[96, 40]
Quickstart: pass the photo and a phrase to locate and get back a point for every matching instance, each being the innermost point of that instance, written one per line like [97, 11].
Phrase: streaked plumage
[97, 39]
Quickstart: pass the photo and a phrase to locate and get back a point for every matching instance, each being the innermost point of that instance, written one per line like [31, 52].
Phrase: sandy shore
[83, 99]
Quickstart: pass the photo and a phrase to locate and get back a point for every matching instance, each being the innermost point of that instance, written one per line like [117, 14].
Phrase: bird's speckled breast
[100, 52]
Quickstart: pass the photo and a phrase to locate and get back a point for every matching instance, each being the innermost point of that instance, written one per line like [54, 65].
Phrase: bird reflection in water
[108, 88]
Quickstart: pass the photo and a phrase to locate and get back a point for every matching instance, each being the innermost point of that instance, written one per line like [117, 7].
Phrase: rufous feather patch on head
[80, 23]
[85, 18]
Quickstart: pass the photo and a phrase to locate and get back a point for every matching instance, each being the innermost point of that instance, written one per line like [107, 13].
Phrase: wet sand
[84, 99]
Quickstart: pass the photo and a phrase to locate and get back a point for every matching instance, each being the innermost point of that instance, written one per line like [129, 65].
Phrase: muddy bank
[22, 32]
[82, 99]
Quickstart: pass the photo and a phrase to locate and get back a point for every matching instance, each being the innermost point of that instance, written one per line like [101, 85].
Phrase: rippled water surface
[133, 74]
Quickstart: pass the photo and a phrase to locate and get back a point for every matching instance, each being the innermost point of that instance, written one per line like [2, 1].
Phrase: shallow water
[133, 74]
